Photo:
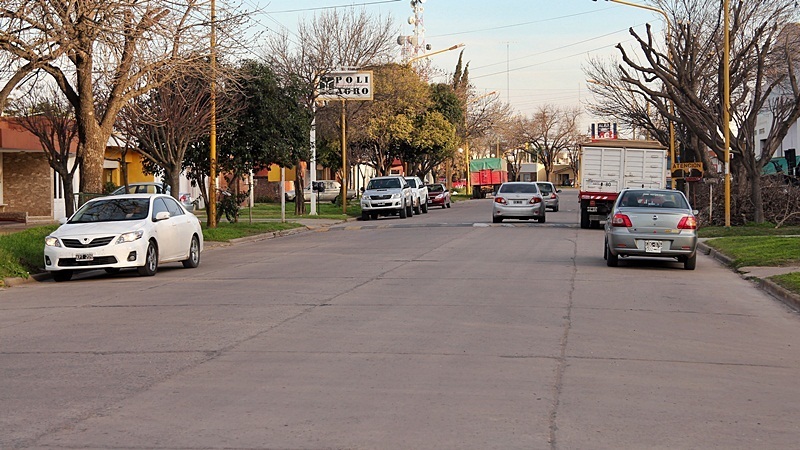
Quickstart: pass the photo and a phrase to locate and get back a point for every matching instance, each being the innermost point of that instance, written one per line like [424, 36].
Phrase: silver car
[550, 194]
[651, 223]
[518, 200]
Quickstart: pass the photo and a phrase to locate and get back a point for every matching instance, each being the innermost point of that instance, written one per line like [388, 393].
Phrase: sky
[531, 52]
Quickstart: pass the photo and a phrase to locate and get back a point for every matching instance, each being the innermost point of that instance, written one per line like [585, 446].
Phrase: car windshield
[435, 188]
[653, 199]
[384, 183]
[412, 182]
[112, 210]
[522, 188]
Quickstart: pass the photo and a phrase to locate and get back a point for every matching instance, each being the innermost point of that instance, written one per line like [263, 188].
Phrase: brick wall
[27, 184]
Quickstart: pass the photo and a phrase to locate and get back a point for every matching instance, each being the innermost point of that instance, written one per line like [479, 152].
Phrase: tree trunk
[299, 187]
[758, 200]
[173, 178]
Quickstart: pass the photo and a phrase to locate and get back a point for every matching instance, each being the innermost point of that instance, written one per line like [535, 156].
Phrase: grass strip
[226, 231]
[789, 281]
[22, 253]
[767, 251]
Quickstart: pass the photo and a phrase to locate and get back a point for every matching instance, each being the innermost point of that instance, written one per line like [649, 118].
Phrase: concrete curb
[787, 297]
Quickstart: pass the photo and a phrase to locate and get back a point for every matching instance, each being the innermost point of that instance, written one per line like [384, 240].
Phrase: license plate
[84, 257]
[591, 209]
[652, 246]
[518, 202]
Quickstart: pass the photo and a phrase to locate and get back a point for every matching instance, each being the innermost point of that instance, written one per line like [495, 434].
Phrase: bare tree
[550, 131]
[331, 40]
[47, 115]
[165, 121]
[102, 54]
[763, 68]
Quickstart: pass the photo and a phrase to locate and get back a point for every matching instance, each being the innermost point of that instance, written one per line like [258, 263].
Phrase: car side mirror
[162, 215]
[362, 189]
[558, 191]
[695, 212]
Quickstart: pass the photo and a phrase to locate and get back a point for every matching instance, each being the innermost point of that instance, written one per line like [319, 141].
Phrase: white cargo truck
[609, 166]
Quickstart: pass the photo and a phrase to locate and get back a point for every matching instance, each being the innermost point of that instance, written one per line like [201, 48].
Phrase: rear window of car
[647, 199]
[526, 188]
[545, 187]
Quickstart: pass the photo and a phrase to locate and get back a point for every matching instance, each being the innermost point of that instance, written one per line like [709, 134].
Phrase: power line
[332, 7]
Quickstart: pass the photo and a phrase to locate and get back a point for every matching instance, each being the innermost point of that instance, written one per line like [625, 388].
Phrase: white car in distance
[420, 192]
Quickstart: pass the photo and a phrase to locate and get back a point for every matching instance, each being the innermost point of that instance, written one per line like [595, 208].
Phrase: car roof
[124, 196]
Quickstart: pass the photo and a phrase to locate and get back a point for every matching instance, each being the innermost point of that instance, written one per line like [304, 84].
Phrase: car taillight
[553, 196]
[500, 200]
[621, 220]
[535, 200]
[687, 223]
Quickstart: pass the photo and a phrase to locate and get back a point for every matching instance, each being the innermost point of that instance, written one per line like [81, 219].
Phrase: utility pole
[211, 208]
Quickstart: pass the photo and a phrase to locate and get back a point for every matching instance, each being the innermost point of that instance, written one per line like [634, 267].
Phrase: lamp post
[669, 39]
[211, 208]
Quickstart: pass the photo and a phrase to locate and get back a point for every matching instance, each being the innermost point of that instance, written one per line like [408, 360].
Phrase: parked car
[550, 194]
[154, 188]
[651, 223]
[331, 193]
[518, 200]
[385, 196]
[420, 194]
[438, 195]
[137, 231]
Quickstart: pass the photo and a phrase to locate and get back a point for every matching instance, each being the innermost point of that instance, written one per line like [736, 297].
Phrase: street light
[669, 39]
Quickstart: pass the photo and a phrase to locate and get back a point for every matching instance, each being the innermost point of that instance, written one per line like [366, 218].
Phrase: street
[438, 331]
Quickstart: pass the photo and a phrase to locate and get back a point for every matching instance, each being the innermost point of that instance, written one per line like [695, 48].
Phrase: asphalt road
[438, 331]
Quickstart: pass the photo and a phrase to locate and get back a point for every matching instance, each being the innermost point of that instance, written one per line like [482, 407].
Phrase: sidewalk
[760, 275]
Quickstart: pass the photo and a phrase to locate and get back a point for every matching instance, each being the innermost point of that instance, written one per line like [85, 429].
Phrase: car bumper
[119, 256]
[627, 244]
[551, 203]
[435, 201]
[512, 212]
[381, 205]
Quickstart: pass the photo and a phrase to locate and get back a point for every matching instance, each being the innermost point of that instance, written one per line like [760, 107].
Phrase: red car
[438, 195]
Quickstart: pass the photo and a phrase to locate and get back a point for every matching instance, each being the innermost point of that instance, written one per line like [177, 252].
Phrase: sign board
[345, 85]
[690, 171]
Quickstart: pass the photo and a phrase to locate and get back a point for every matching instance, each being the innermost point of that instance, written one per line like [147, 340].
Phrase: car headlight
[397, 195]
[52, 241]
[440, 196]
[130, 236]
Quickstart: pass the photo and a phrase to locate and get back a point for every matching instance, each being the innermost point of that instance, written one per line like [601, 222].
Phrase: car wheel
[373, 216]
[194, 254]
[403, 212]
[364, 216]
[62, 275]
[497, 219]
[112, 270]
[605, 249]
[418, 208]
[410, 211]
[541, 219]
[612, 260]
[448, 204]
[425, 208]
[691, 262]
[150, 266]
[555, 209]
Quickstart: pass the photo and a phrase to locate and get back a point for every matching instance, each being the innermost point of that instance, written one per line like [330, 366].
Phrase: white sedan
[117, 232]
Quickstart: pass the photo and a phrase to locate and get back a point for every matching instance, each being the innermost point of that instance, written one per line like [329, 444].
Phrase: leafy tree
[266, 126]
[386, 124]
